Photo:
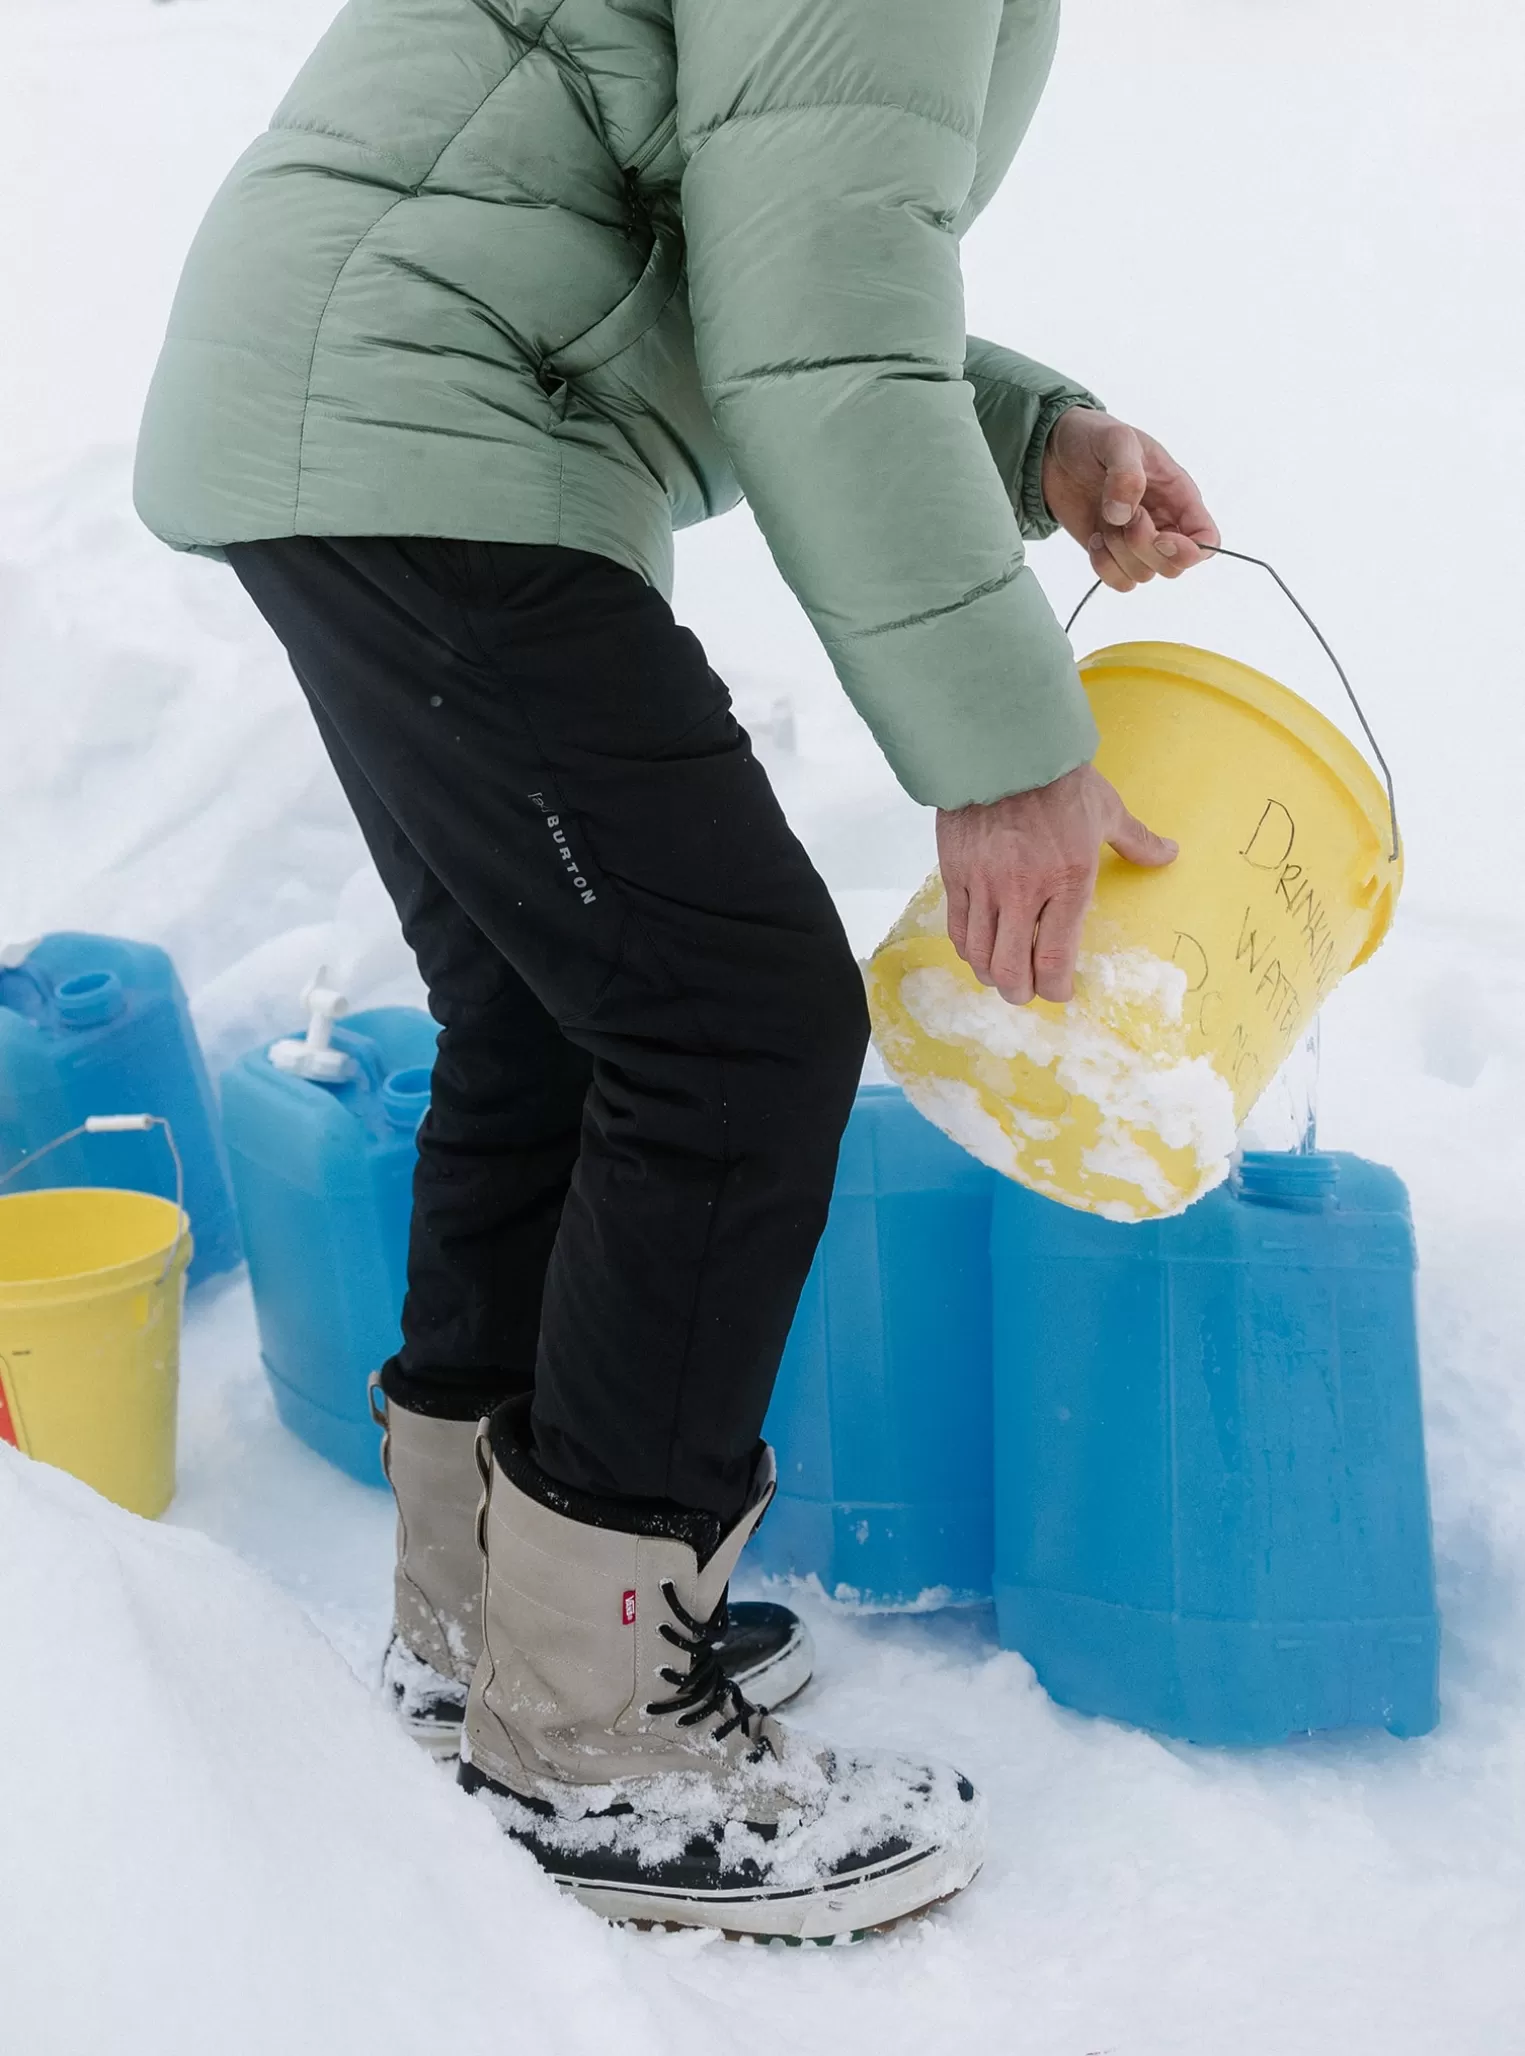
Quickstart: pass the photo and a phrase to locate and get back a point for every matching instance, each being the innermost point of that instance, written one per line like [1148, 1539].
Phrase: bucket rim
[168, 1260]
[1272, 700]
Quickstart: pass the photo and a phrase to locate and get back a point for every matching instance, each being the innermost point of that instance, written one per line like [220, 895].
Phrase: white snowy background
[1282, 234]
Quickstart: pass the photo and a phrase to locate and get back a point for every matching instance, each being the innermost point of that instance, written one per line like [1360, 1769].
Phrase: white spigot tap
[14, 954]
[313, 1055]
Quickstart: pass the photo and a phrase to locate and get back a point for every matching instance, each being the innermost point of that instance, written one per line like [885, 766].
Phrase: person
[509, 290]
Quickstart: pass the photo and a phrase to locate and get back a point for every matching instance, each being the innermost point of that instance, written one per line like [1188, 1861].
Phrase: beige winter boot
[437, 1591]
[437, 1597]
[604, 1733]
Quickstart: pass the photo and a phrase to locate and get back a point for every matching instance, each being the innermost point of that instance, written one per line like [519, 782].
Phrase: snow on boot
[604, 1734]
[437, 1602]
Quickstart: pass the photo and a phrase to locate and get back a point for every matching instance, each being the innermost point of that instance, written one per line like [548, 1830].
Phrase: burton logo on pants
[559, 837]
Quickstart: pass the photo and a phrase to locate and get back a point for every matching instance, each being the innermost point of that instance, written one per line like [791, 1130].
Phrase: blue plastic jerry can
[89, 1025]
[881, 1414]
[323, 1175]
[1212, 1516]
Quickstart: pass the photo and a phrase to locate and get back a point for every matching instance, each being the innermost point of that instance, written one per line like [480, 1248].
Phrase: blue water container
[323, 1175]
[1212, 1517]
[93, 1025]
[881, 1414]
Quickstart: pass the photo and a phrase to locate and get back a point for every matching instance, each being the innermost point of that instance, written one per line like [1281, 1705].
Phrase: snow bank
[215, 1839]
[161, 776]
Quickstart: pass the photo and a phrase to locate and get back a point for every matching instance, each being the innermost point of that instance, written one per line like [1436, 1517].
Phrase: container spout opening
[1298, 1182]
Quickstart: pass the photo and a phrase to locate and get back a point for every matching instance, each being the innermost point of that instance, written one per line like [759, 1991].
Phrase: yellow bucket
[1194, 982]
[91, 1283]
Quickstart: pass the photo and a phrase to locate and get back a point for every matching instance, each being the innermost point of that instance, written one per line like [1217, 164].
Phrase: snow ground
[1281, 234]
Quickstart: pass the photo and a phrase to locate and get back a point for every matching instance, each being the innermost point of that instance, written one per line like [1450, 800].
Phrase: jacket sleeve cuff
[1017, 401]
[1033, 516]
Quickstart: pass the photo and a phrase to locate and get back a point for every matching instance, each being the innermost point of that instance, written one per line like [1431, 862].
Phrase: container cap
[89, 999]
[405, 1096]
[1300, 1182]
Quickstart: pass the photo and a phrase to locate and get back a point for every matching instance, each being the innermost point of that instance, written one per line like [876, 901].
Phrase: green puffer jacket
[579, 271]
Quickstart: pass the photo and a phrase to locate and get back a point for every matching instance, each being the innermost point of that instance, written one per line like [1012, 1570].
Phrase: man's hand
[1019, 875]
[1125, 500]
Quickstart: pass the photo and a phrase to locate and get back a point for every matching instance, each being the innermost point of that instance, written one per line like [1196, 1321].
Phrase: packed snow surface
[221, 1833]
[1283, 238]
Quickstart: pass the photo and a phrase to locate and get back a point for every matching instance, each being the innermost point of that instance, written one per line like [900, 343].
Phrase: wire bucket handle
[121, 1124]
[1217, 550]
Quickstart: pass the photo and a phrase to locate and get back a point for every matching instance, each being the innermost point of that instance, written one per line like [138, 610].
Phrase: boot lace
[704, 1691]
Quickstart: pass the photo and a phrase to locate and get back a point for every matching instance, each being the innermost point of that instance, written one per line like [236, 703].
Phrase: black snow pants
[651, 1023]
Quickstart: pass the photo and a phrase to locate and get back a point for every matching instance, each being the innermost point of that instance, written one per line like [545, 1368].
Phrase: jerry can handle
[1217, 550]
[120, 1124]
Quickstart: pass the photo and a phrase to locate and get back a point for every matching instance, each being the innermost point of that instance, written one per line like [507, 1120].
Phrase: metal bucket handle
[121, 1124]
[1217, 550]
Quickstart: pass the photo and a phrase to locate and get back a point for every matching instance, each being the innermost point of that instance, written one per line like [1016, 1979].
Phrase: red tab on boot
[627, 1610]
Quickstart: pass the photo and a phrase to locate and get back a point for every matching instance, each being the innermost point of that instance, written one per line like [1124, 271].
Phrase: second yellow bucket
[1195, 981]
[90, 1291]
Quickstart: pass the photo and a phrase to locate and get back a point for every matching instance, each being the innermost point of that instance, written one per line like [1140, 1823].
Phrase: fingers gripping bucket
[91, 1283]
[1195, 981]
